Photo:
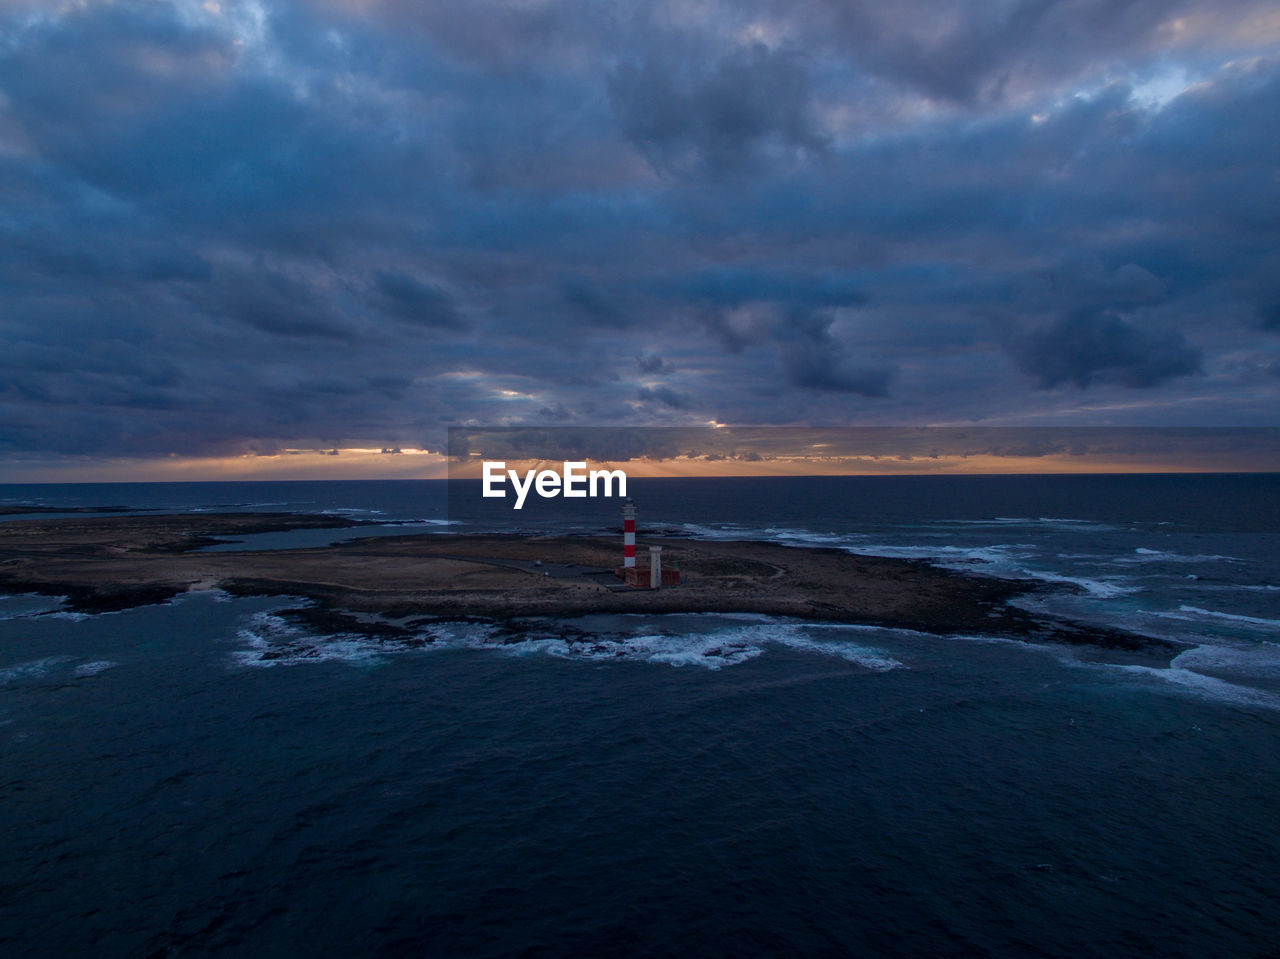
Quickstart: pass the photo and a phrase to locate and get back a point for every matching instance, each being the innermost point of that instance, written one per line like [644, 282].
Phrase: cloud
[813, 367]
[1085, 346]
[591, 302]
[324, 224]
[277, 303]
[664, 396]
[981, 54]
[417, 302]
[691, 119]
[927, 448]
[1269, 315]
[814, 359]
[652, 363]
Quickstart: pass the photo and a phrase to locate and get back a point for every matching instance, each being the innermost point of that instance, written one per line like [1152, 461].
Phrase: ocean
[207, 777]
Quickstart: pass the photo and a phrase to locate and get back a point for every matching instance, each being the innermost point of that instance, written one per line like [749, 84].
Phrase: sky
[773, 450]
[307, 238]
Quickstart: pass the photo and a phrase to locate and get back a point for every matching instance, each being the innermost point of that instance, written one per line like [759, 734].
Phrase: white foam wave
[867, 657]
[1061, 523]
[423, 522]
[807, 537]
[724, 531]
[1061, 652]
[996, 554]
[993, 521]
[1205, 687]
[1262, 660]
[1144, 555]
[95, 667]
[272, 640]
[1100, 588]
[1231, 587]
[710, 650]
[30, 670]
[28, 605]
[1232, 617]
[999, 560]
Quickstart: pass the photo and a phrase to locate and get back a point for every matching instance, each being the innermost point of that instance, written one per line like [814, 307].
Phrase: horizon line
[638, 476]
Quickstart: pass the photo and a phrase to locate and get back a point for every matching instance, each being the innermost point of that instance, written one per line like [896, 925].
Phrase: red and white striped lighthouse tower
[628, 533]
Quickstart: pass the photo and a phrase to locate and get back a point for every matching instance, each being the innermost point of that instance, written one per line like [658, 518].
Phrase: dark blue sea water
[689, 785]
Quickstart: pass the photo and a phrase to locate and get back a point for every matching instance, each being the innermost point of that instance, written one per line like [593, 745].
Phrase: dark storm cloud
[690, 118]
[812, 367]
[814, 359]
[592, 302]
[276, 303]
[247, 226]
[761, 283]
[1088, 345]
[418, 302]
[665, 396]
[651, 363]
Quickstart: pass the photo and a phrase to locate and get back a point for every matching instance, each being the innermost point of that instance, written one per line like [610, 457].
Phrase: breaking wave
[1260, 660]
[1232, 617]
[270, 639]
[1204, 686]
[94, 668]
[710, 650]
[1144, 555]
[55, 666]
[31, 670]
[28, 605]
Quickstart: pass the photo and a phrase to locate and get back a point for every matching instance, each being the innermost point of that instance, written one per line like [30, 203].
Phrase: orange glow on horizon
[345, 464]
[374, 464]
[682, 467]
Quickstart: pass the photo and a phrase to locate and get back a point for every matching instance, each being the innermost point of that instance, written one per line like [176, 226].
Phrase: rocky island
[389, 583]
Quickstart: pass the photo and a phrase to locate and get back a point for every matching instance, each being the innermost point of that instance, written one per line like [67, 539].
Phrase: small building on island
[654, 576]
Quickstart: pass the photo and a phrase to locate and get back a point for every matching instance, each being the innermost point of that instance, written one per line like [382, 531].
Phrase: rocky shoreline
[391, 585]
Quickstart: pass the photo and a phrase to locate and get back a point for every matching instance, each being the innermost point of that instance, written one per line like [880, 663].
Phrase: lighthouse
[628, 534]
[658, 574]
